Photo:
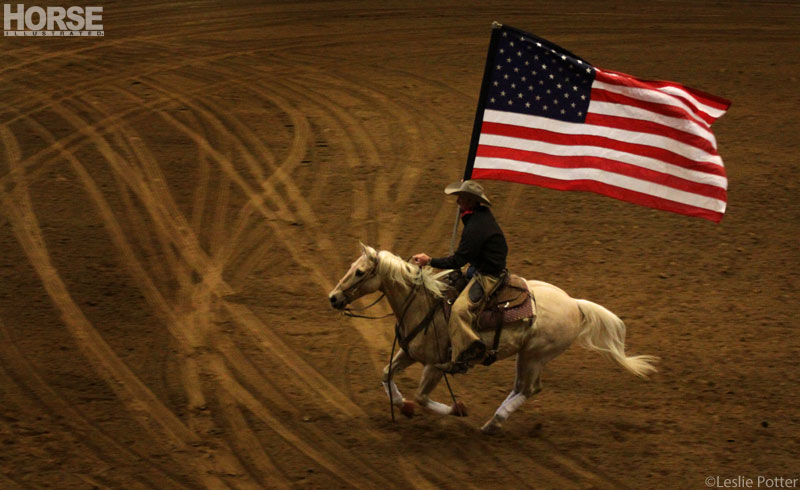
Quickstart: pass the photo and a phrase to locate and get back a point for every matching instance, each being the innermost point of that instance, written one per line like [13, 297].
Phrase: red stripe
[598, 188]
[635, 83]
[601, 95]
[604, 164]
[651, 127]
[714, 101]
[602, 142]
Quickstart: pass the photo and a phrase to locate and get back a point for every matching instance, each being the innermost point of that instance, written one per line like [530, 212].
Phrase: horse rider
[484, 247]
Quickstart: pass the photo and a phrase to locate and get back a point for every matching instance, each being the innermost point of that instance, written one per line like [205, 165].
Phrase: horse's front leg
[401, 361]
[430, 378]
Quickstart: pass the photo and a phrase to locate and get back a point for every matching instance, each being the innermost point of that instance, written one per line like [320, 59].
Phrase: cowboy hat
[468, 187]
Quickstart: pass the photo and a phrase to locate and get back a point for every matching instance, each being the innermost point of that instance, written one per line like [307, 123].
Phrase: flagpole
[476, 126]
[487, 78]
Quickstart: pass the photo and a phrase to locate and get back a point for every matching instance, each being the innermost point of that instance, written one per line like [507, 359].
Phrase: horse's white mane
[396, 269]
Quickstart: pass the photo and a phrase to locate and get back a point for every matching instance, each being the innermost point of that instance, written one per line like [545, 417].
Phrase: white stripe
[652, 96]
[600, 152]
[631, 112]
[623, 135]
[711, 111]
[675, 91]
[605, 177]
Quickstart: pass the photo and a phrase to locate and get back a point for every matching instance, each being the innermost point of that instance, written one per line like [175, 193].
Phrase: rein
[349, 311]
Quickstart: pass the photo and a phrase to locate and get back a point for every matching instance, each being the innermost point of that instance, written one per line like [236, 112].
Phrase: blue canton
[532, 76]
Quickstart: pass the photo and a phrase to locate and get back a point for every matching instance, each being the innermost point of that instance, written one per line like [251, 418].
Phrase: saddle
[511, 301]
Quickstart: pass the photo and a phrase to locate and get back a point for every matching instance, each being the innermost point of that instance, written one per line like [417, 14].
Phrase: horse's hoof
[458, 410]
[492, 427]
[407, 409]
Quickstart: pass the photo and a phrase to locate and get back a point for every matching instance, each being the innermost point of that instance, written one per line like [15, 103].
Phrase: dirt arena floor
[178, 197]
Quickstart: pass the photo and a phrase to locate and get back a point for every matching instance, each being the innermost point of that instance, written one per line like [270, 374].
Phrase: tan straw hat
[468, 187]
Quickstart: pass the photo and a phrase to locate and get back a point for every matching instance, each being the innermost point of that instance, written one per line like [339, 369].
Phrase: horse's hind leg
[431, 376]
[527, 384]
[399, 363]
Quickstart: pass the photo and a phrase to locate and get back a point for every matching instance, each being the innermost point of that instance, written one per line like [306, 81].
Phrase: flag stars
[519, 95]
[528, 105]
[513, 85]
[510, 102]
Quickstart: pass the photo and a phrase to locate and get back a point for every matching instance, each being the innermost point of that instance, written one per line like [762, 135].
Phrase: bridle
[346, 293]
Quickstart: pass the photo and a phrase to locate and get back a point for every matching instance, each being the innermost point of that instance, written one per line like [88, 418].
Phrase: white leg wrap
[437, 408]
[510, 405]
[397, 398]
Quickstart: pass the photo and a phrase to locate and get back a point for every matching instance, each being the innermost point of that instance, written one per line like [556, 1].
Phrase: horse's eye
[359, 273]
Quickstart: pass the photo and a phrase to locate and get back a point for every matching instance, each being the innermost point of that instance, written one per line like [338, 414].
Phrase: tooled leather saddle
[511, 301]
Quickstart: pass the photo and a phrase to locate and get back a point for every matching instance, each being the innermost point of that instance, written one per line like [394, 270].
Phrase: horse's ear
[368, 251]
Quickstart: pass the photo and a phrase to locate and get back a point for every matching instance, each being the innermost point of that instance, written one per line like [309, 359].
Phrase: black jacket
[482, 244]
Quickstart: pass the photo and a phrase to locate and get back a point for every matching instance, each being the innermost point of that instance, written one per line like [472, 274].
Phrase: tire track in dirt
[109, 156]
[129, 389]
[195, 393]
[102, 444]
[223, 464]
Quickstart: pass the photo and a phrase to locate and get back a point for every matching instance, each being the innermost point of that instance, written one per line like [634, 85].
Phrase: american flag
[549, 118]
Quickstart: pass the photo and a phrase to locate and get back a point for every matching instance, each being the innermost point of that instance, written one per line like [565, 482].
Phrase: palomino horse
[413, 293]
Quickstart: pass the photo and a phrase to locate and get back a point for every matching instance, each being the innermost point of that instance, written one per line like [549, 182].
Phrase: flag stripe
[648, 163]
[650, 127]
[604, 164]
[648, 96]
[628, 195]
[610, 178]
[714, 101]
[605, 102]
[548, 136]
[619, 136]
[631, 85]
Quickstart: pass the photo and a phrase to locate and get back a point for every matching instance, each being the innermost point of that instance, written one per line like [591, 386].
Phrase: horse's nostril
[333, 300]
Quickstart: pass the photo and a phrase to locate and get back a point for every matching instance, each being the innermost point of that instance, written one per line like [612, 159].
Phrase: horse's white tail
[604, 332]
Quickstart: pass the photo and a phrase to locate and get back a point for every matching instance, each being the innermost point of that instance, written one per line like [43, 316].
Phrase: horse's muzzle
[337, 301]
